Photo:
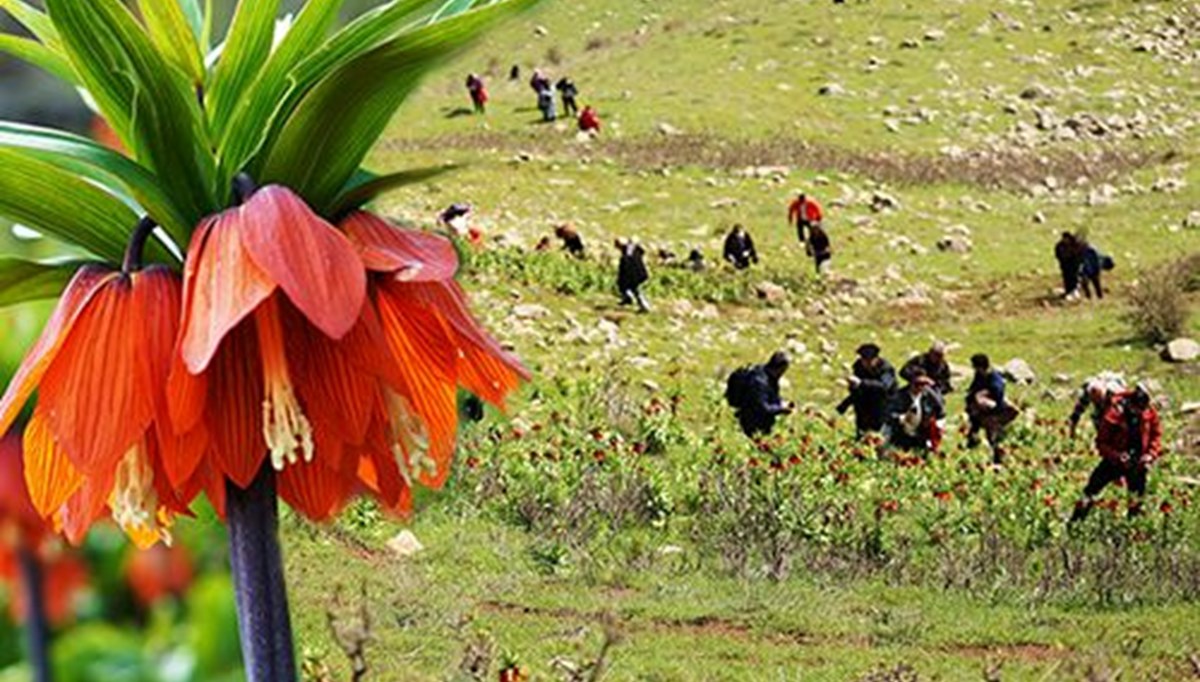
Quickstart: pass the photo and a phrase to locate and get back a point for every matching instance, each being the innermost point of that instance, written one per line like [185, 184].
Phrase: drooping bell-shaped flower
[99, 434]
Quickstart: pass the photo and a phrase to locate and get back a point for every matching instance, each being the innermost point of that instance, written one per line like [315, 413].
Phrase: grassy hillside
[1013, 120]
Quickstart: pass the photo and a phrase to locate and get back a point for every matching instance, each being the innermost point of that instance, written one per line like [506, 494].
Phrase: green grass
[747, 72]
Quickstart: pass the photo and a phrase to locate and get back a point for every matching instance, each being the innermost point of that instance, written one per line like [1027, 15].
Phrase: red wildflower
[158, 573]
[99, 435]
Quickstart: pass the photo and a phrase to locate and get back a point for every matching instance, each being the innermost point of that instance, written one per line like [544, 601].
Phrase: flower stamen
[134, 501]
[286, 429]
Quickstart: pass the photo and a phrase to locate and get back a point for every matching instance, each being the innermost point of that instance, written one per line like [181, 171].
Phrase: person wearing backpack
[753, 393]
[632, 273]
[1091, 265]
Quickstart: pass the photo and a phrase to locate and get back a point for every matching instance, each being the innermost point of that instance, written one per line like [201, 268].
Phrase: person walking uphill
[1092, 265]
[1129, 441]
[569, 92]
[804, 213]
[739, 248]
[1069, 254]
[988, 408]
[819, 247]
[933, 365]
[753, 393]
[872, 386]
[478, 92]
[632, 273]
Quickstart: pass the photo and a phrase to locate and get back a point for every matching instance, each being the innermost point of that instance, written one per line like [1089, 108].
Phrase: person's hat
[868, 351]
[922, 381]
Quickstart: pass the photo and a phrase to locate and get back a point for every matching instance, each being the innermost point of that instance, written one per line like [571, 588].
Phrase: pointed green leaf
[365, 187]
[101, 164]
[334, 128]
[247, 46]
[39, 55]
[23, 280]
[172, 35]
[34, 20]
[63, 205]
[267, 96]
[149, 103]
[195, 19]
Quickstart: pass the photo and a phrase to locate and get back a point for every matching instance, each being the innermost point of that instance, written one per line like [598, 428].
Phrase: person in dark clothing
[695, 261]
[872, 389]
[572, 243]
[546, 106]
[1129, 441]
[818, 242]
[539, 82]
[632, 274]
[514, 74]
[478, 92]
[914, 415]
[987, 409]
[1091, 266]
[754, 394]
[568, 91]
[739, 248]
[1069, 253]
[933, 365]
[1096, 394]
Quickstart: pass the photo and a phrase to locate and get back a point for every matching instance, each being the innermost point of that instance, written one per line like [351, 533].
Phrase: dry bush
[596, 43]
[1158, 302]
[554, 56]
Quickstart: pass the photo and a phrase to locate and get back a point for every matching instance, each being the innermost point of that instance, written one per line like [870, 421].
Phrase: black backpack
[737, 387]
[1107, 263]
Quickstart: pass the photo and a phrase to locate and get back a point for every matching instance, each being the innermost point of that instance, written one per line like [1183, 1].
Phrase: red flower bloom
[64, 578]
[99, 434]
[159, 572]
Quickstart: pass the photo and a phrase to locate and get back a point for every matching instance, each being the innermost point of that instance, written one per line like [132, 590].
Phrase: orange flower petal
[427, 358]
[15, 504]
[233, 417]
[75, 298]
[338, 394]
[312, 262]
[314, 489]
[91, 394]
[413, 256]
[49, 474]
[222, 286]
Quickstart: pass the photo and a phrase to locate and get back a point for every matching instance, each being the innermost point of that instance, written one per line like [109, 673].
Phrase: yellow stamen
[286, 430]
[411, 439]
[134, 502]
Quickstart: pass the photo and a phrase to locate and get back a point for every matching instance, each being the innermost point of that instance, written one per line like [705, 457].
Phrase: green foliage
[22, 280]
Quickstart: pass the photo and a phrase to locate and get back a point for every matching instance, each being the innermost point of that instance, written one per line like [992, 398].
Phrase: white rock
[1182, 350]
[405, 545]
[668, 129]
[530, 311]
[955, 244]
[1019, 371]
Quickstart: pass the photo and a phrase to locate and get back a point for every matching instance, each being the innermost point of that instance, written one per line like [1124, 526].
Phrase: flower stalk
[137, 245]
[37, 628]
[257, 566]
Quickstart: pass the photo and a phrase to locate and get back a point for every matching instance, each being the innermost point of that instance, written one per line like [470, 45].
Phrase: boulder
[1190, 408]
[882, 201]
[831, 90]
[770, 292]
[530, 311]
[1018, 371]
[405, 545]
[1182, 350]
[1192, 221]
[952, 243]
[669, 130]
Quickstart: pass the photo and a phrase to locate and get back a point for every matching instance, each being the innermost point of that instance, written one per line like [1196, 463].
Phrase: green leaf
[149, 103]
[34, 20]
[195, 18]
[336, 125]
[267, 96]
[63, 205]
[39, 55]
[247, 47]
[101, 164]
[171, 32]
[23, 280]
[365, 187]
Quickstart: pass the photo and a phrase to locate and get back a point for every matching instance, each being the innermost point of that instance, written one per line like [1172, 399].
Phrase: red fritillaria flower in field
[99, 434]
[286, 352]
[158, 573]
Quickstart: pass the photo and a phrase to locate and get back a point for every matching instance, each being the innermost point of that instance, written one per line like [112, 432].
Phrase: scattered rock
[405, 545]
[1018, 371]
[530, 311]
[955, 244]
[1190, 408]
[831, 90]
[668, 129]
[1182, 350]
[1063, 379]
[770, 292]
[881, 201]
[541, 31]
[726, 202]
[935, 35]
[1192, 221]
[909, 44]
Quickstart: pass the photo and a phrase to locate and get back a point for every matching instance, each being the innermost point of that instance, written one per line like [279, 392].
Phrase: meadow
[615, 525]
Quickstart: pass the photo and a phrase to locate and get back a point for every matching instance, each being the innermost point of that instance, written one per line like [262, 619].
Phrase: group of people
[1081, 265]
[1128, 433]
[587, 118]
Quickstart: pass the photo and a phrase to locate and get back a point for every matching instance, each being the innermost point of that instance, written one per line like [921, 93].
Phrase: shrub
[1158, 303]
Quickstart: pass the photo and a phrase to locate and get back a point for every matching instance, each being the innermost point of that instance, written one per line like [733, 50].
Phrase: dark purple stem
[37, 629]
[137, 244]
[257, 566]
[244, 187]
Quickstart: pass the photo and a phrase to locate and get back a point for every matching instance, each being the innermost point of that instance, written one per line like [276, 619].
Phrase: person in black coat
[933, 365]
[632, 273]
[739, 248]
[756, 394]
[914, 416]
[1069, 254]
[568, 91]
[987, 407]
[572, 243]
[872, 389]
[821, 247]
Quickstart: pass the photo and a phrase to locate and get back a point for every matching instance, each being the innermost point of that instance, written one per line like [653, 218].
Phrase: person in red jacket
[804, 213]
[589, 120]
[478, 92]
[1129, 440]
